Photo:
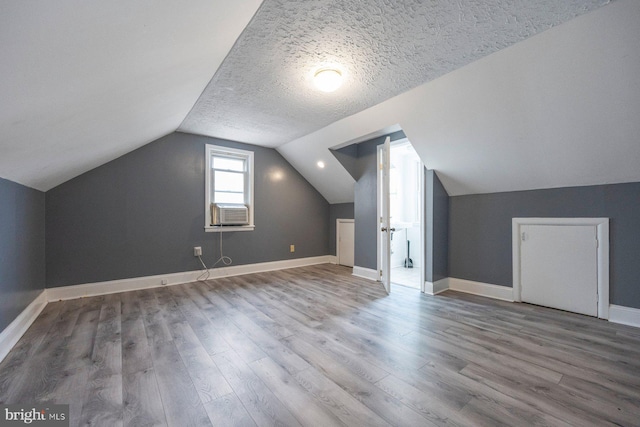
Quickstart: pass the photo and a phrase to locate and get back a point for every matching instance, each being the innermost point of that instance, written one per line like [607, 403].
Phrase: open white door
[384, 161]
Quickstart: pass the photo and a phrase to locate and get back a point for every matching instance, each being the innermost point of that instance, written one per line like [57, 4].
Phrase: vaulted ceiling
[480, 88]
[84, 82]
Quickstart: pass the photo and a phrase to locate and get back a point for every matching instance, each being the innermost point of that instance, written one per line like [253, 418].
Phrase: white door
[384, 161]
[346, 241]
[559, 267]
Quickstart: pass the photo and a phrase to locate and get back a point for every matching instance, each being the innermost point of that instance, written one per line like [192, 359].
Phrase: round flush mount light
[327, 79]
[320, 164]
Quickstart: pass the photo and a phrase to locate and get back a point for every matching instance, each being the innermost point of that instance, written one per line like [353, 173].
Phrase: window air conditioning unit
[229, 214]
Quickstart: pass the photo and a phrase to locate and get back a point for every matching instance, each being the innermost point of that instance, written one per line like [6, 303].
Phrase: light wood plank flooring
[315, 346]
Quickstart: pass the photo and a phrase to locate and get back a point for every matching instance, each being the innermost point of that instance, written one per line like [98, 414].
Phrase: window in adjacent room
[229, 182]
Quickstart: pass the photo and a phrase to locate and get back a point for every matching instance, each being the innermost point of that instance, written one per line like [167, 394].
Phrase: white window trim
[217, 149]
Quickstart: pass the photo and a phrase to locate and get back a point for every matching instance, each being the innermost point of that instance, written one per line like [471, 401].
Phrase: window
[229, 180]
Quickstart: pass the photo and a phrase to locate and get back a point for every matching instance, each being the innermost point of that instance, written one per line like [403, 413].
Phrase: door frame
[602, 235]
[338, 221]
[422, 214]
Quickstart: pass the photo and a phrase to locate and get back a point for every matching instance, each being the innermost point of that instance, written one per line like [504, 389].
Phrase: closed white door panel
[346, 242]
[559, 267]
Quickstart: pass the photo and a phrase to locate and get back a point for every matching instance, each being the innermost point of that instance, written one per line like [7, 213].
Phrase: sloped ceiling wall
[83, 82]
[559, 109]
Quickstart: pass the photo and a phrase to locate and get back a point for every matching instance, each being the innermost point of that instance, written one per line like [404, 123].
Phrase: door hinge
[380, 273]
[597, 243]
[523, 237]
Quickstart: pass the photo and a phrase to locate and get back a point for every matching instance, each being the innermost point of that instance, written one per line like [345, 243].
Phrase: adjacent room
[349, 213]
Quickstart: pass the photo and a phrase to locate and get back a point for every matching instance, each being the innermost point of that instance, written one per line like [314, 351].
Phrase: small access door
[346, 241]
[559, 267]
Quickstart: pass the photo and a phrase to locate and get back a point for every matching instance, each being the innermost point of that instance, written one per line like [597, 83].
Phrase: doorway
[406, 216]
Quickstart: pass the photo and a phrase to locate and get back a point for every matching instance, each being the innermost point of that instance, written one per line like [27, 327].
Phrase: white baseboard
[624, 315]
[332, 259]
[488, 290]
[366, 273]
[137, 283]
[434, 288]
[123, 285]
[16, 329]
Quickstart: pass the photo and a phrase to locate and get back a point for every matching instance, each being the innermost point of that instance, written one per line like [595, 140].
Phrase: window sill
[225, 228]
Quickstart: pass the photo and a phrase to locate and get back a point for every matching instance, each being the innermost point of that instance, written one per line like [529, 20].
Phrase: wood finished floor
[316, 346]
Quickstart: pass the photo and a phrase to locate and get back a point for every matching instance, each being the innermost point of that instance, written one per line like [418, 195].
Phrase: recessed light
[328, 79]
[320, 164]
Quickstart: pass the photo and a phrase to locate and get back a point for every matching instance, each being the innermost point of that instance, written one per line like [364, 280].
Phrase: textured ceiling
[263, 92]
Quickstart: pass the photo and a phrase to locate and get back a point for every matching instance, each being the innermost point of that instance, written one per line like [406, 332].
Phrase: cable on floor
[206, 274]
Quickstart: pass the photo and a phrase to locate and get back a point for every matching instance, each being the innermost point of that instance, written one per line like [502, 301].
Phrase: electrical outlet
[164, 281]
[292, 248]
[197, 251]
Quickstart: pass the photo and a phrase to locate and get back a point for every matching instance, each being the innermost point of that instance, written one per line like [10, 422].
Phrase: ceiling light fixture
[327, 79]
[320, 164]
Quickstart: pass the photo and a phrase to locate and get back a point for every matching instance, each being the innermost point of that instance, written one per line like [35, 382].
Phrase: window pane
[228, 163]
[219, 197]
[228, 181]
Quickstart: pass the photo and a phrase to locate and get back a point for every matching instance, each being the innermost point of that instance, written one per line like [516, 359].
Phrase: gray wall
[365, 206]
[480, 231]
[337, 211]
[437, 229]
[143, 213]
[348, 157]
[22, 248]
